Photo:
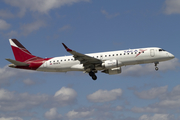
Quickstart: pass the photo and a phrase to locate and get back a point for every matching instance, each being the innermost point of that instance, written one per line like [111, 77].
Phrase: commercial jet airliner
[107, 62]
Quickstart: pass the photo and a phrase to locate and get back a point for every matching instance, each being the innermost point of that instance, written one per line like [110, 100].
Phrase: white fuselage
[124, 57]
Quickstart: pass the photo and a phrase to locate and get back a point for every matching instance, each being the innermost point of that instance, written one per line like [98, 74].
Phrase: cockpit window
[162, 50]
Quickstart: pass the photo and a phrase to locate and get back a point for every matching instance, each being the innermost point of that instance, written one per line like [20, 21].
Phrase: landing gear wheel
[92, 74]
[94, 77]
[156, 68]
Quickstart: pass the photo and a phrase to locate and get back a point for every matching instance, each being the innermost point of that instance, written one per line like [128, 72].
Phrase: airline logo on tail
[24, 59]
[20, 52]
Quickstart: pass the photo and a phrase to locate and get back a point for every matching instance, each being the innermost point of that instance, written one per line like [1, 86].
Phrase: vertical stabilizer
[20, 52]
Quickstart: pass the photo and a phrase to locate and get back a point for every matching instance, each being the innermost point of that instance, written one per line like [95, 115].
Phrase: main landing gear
[92, 74]
[156, 68]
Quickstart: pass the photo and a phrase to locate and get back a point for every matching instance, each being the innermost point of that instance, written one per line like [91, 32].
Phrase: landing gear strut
[156, 68]
[92, 74]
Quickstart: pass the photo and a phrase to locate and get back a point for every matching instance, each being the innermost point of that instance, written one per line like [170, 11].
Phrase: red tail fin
[20, 52]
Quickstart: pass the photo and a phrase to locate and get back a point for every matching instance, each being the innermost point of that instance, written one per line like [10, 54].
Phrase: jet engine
[112, 71]
[111, 64]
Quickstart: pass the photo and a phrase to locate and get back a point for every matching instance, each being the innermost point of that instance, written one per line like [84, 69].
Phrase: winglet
[69, 50]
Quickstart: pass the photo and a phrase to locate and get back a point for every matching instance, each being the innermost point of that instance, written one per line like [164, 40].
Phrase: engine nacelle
[112, 71]
[111, 64]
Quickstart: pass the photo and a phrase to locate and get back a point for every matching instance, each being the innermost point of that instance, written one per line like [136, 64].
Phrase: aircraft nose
[171, 55]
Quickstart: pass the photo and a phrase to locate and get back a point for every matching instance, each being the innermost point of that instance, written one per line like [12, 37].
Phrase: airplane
[107, 62]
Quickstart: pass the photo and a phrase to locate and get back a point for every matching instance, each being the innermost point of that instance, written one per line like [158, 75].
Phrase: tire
[91, 74]
[94, 77]
[156, 68]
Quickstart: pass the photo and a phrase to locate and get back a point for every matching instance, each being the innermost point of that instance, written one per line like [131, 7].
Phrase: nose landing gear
[156, 68]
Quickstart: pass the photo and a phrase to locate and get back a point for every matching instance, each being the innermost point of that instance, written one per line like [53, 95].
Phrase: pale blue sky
[87, 26]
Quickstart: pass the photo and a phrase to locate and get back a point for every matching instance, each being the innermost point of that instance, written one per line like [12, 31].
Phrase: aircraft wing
[87, 61]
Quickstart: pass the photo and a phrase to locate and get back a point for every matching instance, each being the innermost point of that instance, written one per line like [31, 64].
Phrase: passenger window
[132, 53]
[109, 55]
[116, 54]
[113, 54]
[124, 53]
[64, 59]
[105, 55]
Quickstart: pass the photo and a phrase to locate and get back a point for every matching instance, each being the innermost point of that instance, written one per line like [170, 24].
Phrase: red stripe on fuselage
[34, 65]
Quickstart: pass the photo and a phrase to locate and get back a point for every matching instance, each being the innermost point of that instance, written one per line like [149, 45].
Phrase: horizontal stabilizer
[17, 63]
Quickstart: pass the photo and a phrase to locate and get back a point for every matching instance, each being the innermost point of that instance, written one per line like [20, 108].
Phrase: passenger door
[152, 53]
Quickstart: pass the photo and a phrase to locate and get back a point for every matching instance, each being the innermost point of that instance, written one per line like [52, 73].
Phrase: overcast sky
[87, 26]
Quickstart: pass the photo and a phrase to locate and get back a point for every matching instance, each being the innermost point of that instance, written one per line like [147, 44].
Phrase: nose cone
[170, 55]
